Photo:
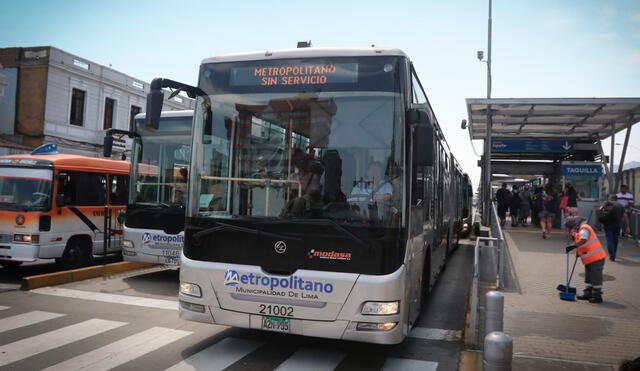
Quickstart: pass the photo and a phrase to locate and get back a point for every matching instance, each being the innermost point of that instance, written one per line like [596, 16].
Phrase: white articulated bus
[154, 221]
[323, 198]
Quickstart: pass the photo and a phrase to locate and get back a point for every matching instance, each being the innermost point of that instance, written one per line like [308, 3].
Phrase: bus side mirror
[423, 145]
[417, 117]
[59, 200]
[155, 99]
[108, 146]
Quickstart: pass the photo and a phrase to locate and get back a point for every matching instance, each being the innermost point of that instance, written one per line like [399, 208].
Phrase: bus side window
[118, 190]
[85, 189]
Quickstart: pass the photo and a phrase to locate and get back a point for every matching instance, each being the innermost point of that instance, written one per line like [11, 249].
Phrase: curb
[73, 275]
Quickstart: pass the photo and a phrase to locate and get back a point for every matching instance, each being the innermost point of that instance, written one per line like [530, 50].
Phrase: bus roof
[179, 113]
[70, 162]
[305, 53]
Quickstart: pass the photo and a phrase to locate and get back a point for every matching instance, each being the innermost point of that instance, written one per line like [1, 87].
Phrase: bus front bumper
[20, 252]
[338, 329]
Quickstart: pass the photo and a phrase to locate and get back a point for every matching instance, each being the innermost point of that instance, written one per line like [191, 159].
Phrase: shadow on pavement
[164, 282]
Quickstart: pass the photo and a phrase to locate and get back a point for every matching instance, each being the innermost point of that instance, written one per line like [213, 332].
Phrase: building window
[77, 107]
[134, 111]
[109, 108]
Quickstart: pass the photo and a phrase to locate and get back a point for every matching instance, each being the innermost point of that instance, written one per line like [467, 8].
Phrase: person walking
[514, 205]
[525, 205]
[549, 210]
[571, 207]
[536, 205]
[611, 214]
[503, 197]
[625, 198]
[592, 255]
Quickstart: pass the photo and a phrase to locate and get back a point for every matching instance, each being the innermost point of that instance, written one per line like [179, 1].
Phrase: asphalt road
[130, 322]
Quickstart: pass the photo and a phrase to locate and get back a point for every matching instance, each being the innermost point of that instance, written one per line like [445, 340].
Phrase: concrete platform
[552, 334]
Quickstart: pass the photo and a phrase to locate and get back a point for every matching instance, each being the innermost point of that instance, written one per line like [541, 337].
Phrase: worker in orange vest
[592, 255]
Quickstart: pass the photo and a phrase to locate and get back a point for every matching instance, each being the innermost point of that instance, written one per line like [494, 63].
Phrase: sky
[541, 48]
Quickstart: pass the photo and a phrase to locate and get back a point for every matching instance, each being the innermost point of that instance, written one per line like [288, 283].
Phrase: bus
[60, 206]
[154, 220]
[323, 198]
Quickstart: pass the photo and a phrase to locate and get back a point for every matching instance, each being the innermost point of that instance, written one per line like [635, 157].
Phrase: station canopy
[579, 119]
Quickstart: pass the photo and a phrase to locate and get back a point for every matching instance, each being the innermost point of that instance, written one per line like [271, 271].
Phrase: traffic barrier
[494, 304]
[73, 275]
[498, 352]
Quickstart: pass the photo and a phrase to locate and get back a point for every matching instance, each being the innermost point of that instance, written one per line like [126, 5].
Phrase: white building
[51, 96]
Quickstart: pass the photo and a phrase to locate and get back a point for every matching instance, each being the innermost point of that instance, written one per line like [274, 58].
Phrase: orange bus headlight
[370, 326]
[26, 238]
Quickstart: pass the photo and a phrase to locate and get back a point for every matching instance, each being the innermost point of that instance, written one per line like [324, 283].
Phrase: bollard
[494, 311]
[498, 352]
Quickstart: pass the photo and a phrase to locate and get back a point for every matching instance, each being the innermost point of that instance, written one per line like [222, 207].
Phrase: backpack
[607, 214]
[537, 203]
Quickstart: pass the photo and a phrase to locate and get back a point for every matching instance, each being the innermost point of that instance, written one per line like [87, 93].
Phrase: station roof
[580, 119]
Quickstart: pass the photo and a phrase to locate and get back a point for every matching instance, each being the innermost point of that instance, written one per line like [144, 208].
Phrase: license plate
[170, 259]
[171, 253]
[277, 324]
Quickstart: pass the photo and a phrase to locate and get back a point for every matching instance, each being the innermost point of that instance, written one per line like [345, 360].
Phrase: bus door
[118, 195]
[81, 200]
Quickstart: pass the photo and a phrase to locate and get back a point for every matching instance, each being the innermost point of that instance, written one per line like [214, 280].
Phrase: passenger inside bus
[308, 177]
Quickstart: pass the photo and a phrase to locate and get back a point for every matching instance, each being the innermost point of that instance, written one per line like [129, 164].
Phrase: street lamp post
[487, 141]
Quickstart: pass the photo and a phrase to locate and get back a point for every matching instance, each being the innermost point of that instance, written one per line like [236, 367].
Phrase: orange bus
[59, 206]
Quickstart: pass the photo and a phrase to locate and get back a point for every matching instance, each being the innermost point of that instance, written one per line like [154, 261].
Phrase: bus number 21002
[276, 310]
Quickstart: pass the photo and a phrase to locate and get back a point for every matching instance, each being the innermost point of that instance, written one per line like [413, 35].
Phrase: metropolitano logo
[231, 278]
[146, 238]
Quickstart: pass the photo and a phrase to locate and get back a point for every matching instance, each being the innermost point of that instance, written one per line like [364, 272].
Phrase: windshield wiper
[197, 237]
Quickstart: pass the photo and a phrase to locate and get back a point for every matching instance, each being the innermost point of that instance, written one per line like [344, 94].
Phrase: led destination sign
[295, 74]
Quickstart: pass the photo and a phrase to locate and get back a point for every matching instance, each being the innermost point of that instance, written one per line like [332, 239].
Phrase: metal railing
[473, 319]
[501, 244]
[634, 224]
[490, 265]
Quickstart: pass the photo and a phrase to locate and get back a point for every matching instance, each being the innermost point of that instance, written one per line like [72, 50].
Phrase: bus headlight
[380, 307]
[26, 238]
[127, 244]
[190, 289]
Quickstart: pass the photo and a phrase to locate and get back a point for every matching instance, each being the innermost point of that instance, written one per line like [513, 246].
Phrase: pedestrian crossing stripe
[2, 307]
[312, 359]
[109, 298]
[54, 339]
[393, 364]
[26, 319]
[122, 351]
[218, 356]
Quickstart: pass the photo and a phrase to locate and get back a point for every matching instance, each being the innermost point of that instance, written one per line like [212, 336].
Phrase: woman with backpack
[549, 210]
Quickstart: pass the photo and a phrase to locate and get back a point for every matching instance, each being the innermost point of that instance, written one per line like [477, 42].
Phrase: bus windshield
[302, 139]
[25, 189]
[160, 159]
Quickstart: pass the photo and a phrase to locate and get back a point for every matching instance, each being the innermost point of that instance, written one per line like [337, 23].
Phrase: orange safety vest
[592, 250]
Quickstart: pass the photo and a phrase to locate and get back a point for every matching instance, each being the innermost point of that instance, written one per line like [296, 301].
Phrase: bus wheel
[9, 264]
[75, 256]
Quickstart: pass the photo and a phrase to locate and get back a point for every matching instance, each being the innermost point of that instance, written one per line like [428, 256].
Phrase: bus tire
[76, 255]
[7, 264]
